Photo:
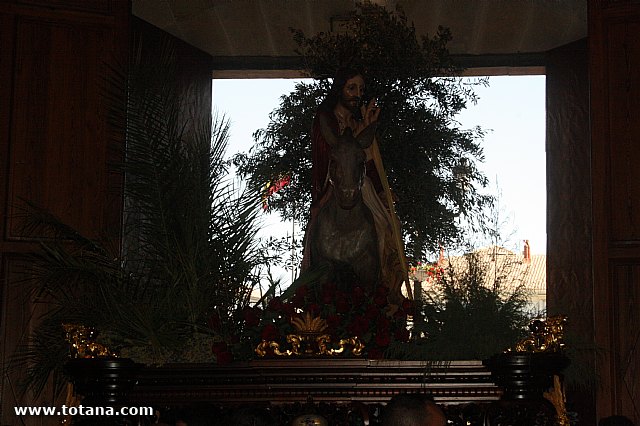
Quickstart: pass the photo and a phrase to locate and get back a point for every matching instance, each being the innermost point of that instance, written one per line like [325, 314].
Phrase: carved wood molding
[330, 380]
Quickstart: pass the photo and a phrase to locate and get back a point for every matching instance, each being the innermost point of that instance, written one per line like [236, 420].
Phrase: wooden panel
[54, 143]
[193, 66]
[623, 63]
[55, 146]
[97, 6]
[58, 140]
[614, 56]
[17, 317]
[6, 95]
[625, 330]
[568, 182]
[569, 225]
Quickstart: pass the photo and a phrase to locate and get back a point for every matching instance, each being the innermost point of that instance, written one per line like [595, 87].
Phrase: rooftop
[503, 266]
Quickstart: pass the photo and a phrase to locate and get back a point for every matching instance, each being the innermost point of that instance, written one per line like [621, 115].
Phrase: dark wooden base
[328, 380]
[346, 392]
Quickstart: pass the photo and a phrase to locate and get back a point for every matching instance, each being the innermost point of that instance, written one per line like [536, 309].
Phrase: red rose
[375, 353]
[302, 291]
[408, 306]
[313, 309]
[358, 326]
[358, 296]
[329, 291]
[330, 287]
[214, 322]
[333, 321]
[402, 335]
[383, 323]
[298, 298]
[342, 303]
[219, 347]
[251, 317]
[380, 299]
[225, 357]
[372, 312]
[297, 301]
[289, 309]
[269, 333]
[382, 291]
[383, 338]
[275, 304]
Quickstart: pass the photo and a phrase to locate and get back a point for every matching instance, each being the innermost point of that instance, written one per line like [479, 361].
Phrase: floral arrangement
[357, 312]
[426, 271]
[272, 187]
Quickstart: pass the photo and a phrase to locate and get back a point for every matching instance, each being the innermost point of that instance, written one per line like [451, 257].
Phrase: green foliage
[470, 315]
[284, 147]
[430, 163]
[188, 252]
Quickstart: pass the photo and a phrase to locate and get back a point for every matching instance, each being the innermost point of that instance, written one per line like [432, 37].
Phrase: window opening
[511, 110]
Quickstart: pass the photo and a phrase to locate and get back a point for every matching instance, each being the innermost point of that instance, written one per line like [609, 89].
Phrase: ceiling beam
[225, 67]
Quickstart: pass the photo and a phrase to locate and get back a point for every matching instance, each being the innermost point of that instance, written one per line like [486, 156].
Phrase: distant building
[503, 266]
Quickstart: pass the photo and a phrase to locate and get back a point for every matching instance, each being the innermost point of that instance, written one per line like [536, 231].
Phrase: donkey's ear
[365, 137]
[327, 132]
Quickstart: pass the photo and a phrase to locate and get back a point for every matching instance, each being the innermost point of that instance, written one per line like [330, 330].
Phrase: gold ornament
[309, 420]
[82, 342]
[547, 335]
[557, 397]
[325, 340]
[310, 340]
[308, 325]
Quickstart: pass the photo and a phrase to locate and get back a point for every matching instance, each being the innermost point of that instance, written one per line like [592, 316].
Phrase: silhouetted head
[412, 410]
[615, 421]
[251, 416]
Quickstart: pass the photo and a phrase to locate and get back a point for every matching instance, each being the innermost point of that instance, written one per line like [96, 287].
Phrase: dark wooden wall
[593, 211]
[54, 141]
[56, 146]
[54, 150]
[614, 66]
[569, 225]
[193, 67]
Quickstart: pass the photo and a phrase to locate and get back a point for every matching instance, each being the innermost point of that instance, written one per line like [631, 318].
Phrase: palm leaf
[189, 245]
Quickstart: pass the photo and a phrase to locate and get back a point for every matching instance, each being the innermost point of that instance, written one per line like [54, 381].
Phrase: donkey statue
[345, 234]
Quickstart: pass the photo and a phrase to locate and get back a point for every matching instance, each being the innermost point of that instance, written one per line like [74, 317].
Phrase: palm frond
[189, 245]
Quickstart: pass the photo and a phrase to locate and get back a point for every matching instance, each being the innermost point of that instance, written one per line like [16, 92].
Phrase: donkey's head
[347, 166]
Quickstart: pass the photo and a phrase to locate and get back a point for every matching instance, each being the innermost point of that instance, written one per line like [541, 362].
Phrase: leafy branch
[429, 161]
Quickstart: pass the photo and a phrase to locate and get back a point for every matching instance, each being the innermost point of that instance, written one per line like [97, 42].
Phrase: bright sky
[511, 111]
